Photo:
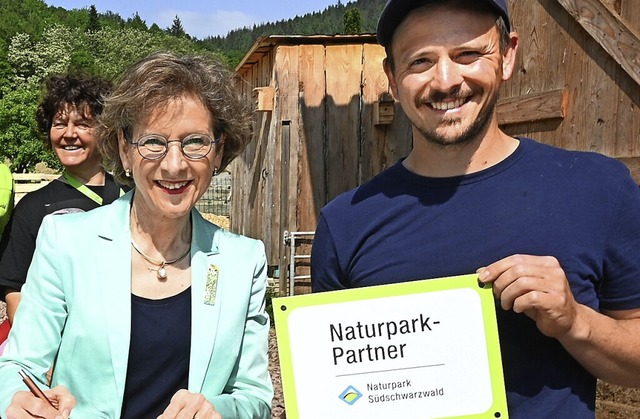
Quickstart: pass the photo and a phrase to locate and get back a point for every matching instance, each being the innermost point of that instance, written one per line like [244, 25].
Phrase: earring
[215, 171]
[127, 173]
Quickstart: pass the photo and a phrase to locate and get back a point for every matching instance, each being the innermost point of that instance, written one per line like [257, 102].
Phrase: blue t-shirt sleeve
[620, 288]
[326, 274]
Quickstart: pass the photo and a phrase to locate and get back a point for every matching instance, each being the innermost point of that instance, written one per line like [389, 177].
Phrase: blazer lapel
[114, 244]
[205, 303]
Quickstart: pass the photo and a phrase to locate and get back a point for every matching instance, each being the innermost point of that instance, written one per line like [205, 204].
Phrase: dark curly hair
[84, 94]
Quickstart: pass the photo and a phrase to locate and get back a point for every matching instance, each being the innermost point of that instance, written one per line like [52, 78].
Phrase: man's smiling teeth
[445, 106]
[172, 185]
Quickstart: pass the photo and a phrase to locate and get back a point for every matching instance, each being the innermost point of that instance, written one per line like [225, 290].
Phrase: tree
[82, 63]
[155, 29]
[352, 21]
[19, 136]
[113, 50]
[34, 61]
[176, 28]
[21, 16]
[111, 20]
[94, 22]
[136, 22]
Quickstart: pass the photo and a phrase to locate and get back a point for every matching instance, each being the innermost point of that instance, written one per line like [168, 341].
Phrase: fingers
[506, 271]
[491, 272]
[25, 405]
[538, 282]
[536, 286]
[186, 405]
[62, 399]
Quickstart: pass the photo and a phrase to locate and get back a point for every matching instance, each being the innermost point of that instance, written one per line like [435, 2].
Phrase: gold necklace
[161, 271]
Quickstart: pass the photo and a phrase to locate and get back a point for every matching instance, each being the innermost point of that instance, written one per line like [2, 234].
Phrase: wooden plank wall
[253, 186]
[313, 165]
[602, 111]
[340, 147]
[318, 141]
[344, 78]
[382, 145]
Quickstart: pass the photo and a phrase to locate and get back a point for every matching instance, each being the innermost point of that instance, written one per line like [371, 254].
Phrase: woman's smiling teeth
[445, 106]
[173, 185]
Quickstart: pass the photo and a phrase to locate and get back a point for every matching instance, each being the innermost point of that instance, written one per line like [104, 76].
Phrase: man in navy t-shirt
[556, 232]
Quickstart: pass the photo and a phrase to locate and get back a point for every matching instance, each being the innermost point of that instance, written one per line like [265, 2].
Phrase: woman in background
[162, 314]
[66, 118]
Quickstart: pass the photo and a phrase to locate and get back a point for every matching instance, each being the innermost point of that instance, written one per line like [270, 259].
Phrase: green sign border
[284, 306]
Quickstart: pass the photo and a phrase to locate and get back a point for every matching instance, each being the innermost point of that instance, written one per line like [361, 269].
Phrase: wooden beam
[34, 177]
[530, 108]
[608, 29]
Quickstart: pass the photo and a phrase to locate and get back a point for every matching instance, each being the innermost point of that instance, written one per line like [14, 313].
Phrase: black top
[158, 354]
[19, 238]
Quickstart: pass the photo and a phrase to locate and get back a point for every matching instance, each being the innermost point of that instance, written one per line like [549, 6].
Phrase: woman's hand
[25, 405]
[186, 405]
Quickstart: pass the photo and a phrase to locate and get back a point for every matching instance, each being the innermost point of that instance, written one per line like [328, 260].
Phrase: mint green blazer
[76, 305]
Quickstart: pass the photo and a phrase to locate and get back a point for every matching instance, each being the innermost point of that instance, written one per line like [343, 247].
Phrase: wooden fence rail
[29, 182]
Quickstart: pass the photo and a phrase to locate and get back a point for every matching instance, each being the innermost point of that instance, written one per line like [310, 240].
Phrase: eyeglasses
[193, 146]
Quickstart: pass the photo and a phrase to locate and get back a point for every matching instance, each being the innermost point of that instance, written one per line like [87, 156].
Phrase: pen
[33, 387]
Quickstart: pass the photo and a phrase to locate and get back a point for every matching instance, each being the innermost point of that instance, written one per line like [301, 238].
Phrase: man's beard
[469, 135]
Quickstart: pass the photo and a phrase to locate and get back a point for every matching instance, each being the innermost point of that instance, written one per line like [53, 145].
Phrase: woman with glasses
[162, 314]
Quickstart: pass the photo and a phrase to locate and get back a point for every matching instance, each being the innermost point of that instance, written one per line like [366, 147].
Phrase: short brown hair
[160, 78]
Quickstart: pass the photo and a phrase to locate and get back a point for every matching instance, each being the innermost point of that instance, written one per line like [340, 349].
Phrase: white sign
[414, 350]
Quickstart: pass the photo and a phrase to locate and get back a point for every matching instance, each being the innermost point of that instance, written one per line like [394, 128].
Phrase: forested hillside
[37, 40]
[328, 22]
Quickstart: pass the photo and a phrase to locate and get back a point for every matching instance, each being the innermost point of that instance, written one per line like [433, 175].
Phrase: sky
[203, 18]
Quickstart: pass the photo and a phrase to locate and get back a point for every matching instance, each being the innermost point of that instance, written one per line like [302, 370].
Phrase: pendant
[162, 273]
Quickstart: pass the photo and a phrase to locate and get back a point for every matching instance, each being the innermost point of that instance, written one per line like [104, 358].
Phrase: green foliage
[28, 16]
[155, 29]
[352, 21]
[6, 73]
[82, 62]
[111, 20]
[94, 20]
[113, 50]
[176, 28]
[19, 137]
[34, 61]
[137, 23]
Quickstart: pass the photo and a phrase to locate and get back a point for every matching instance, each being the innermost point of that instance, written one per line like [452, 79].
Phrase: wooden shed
[323, 125]
[325, 121]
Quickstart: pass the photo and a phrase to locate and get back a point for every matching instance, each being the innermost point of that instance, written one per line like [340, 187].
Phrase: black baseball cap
[396, 10]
